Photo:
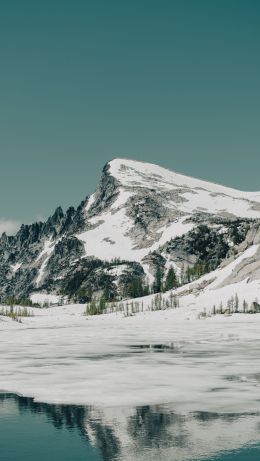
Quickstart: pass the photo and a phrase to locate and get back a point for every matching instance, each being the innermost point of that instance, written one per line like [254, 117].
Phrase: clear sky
[175, 82]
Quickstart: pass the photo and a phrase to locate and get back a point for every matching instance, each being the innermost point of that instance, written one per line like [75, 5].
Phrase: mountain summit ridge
[116, 163]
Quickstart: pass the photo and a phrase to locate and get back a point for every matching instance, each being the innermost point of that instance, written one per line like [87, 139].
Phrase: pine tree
[157, 287]
[171, 280]
[236, 303]
[135, 289]
[102, 304]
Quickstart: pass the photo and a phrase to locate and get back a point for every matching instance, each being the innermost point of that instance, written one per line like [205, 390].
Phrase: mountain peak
[129, 172]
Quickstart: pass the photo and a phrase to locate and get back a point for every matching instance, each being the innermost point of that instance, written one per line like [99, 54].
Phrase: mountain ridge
[137, 210]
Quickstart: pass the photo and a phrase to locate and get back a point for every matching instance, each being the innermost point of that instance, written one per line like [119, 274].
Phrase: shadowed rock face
[141, 217]
[22, 255]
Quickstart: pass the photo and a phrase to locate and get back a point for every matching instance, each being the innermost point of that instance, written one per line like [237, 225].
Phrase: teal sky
[175, 82]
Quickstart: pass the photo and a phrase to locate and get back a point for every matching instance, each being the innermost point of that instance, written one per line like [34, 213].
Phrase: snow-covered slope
[132, 173]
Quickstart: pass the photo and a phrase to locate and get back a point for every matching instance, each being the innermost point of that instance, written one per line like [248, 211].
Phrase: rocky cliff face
[141, 217]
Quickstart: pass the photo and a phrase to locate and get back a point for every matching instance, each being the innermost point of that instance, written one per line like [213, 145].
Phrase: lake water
[36, 431]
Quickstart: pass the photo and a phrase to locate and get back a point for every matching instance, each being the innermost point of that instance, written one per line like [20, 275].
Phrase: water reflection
[148, 432]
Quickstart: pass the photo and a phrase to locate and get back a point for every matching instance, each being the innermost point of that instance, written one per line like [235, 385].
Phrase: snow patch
[16, 267]
[49, 246]
[113, 227]
[42, 298]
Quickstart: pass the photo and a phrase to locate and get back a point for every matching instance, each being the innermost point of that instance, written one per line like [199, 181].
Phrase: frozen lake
[161, 385]
[60, 356]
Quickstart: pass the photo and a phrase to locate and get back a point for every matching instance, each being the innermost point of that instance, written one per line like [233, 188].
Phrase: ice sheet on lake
[62, 356]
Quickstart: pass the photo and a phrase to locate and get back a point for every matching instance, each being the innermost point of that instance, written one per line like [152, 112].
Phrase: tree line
[232, 306]
[129, 308]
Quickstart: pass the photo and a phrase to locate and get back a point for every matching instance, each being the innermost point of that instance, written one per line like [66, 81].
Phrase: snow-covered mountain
[141, 217]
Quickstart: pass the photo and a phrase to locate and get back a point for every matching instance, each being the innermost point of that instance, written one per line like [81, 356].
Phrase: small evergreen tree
[236, 303]
[157, 286]
[245, 306]
[171, 280]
